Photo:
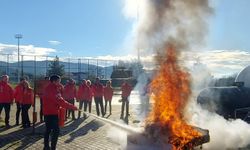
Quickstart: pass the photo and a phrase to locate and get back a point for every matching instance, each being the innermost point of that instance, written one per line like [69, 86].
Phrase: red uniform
[42, 84]
[108, 93]
[69, 91]
[84, 92]
[126, 89]
[52, 100]
[60, 88]
[98, 90]
[18, 93]
[28, 96]
[6, 93]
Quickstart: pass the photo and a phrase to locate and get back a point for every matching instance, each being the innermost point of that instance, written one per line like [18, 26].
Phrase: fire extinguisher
[62, 112]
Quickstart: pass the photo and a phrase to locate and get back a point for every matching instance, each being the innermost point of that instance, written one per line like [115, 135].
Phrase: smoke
[224, 134]
[183, 24]
[159, 22]
[120, 136]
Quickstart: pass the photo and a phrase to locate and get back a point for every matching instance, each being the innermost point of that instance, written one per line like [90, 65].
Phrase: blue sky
[92, 28]
[86, 28]
[229, 26]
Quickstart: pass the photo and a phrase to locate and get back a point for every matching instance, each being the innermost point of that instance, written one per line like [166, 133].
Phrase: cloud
[52, 42]
[28, 51]
[218, 62]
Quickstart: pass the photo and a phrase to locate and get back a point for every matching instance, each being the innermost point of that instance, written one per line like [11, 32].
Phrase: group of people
[55, 96]
[24, 98]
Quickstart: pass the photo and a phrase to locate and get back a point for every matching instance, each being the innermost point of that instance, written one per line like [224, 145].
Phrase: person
[26, 102]
[52, 101]
[98, 96]
[69, 94]
[90, 94]
[42, 85]
[108, 94]
[18, 97]
[85, 96]
[126, 91]
[6, 98]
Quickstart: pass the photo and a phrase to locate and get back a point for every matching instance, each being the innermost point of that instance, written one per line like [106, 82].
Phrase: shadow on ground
[91, 126]
[20, 138]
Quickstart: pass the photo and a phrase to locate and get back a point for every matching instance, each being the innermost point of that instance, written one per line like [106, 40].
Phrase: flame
[171, 90]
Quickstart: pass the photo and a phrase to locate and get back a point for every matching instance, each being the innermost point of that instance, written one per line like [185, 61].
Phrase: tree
[56, 68]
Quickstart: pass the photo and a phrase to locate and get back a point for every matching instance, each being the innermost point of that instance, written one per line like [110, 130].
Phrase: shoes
[7, 126]
[25, 126]
[46, 148]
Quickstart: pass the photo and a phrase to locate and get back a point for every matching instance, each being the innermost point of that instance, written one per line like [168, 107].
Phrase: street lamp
[18, 37]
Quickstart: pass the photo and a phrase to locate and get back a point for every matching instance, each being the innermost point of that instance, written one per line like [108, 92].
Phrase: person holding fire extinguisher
[52, 101]
[26, 102]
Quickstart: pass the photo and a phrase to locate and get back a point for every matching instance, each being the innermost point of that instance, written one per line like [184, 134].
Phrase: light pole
[18, 37]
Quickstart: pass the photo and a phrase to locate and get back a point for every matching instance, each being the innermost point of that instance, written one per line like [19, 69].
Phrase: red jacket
[52, 100]
[27, 97]
[18, 93]
[98, 90]
[60, 88]
[84, 92]
[6, 93]
[69, 91]
[126, 89]
[41, 85]
[108, 93]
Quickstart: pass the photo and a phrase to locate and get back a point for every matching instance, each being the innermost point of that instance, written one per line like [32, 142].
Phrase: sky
[99, 28]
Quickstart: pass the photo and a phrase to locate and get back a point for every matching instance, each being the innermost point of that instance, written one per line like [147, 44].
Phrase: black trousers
[41, 110]
[6, 107]
[86, 104]
[68, 112]
[99, 102]
[18, 111]
[52, 127]
[25, 115]
[125, 102]
[110, 107]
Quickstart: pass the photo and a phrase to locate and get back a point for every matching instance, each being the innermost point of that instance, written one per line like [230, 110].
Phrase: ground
[90, 133]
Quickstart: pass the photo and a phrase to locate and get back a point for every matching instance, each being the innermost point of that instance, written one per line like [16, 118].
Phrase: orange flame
[171, 88]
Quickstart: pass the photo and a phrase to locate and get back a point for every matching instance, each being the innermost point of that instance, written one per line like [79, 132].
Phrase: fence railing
[35, 66]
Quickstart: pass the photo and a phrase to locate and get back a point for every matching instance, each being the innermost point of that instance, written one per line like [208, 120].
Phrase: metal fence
[35, 66]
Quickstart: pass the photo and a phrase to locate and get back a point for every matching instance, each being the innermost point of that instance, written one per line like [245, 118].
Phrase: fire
[171, 88]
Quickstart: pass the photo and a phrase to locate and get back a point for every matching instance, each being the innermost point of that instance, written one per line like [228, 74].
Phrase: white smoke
[224, 134]
[184, 24]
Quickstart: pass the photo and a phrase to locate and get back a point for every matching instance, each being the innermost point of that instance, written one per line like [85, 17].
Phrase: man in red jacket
[69, 94]
[126, 90]
[18, 98]
[27, 100]
[52, 101]
[6, 98]
[98, 96]
[108, 94]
